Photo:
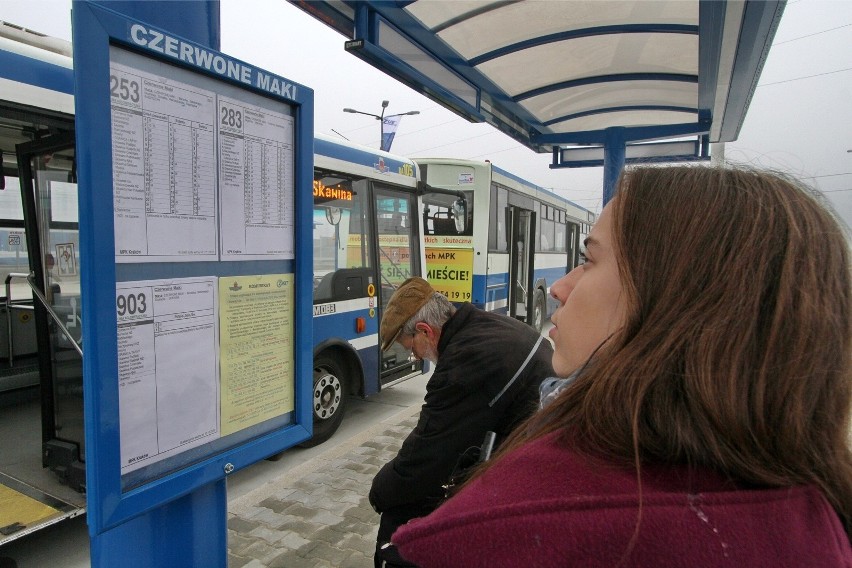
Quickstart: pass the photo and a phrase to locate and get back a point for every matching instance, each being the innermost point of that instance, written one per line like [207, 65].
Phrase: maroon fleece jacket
[544, 505]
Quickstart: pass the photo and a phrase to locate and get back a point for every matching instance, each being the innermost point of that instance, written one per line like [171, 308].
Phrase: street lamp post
[381, 118]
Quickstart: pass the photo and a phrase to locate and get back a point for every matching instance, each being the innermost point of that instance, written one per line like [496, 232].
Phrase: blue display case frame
[97, 28]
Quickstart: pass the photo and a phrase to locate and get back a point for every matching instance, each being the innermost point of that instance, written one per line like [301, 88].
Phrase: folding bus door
[521, 258]
[49, 192]
[399, 259]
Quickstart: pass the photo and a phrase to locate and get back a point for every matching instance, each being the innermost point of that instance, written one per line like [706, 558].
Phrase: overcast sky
[800, 119]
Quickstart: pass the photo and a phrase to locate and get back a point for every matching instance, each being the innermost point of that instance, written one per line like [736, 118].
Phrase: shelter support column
[614, 155]
[189, 531]
[196, 20]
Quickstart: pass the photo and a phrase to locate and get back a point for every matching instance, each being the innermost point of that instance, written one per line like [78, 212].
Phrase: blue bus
[366, 243]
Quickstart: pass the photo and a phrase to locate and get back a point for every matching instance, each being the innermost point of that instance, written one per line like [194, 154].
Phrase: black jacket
[478, 354]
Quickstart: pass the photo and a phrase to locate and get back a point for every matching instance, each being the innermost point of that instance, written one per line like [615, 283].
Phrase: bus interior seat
[322, 293]
[444, 225]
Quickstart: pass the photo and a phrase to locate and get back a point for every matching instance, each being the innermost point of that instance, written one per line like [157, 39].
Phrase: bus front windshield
[341, 227]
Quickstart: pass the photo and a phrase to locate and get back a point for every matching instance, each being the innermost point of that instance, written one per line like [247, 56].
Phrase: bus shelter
[594, 83]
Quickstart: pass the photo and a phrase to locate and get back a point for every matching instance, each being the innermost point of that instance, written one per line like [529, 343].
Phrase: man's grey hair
[435, 313]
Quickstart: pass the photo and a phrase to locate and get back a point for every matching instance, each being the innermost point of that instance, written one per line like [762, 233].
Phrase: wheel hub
[327, 393]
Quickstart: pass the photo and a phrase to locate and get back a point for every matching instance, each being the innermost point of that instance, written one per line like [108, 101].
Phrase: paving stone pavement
[318, 515]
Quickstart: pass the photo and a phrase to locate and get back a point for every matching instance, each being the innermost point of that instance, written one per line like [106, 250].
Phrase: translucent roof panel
[622, 119]
[606, 95]
[595, 56]
[462, 29]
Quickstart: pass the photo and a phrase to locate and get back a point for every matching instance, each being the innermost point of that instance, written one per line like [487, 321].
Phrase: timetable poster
[257, 181]
[168, 381]
[256, 349]
[164, 167]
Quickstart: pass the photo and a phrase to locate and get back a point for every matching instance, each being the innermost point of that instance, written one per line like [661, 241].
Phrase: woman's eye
[583, 258]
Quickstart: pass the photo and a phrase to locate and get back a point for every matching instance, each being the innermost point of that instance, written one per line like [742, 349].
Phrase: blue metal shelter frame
[177, 517]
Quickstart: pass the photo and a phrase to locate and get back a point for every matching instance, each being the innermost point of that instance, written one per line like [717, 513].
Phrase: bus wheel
[328, 400]
[538, 311]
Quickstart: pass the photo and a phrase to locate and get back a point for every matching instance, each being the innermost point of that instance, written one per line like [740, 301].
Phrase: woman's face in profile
[591, 304]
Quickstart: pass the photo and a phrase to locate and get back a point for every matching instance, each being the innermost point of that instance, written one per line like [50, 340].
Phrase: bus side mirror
[460, 214]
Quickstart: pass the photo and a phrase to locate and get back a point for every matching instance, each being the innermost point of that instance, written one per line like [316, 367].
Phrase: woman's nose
[563, 287]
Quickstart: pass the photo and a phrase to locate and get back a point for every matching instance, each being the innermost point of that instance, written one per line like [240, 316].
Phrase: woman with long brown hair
[705, 415]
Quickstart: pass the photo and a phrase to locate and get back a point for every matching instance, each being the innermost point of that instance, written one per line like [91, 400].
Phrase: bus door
[398, 259]
[521, 256]
[33, 496]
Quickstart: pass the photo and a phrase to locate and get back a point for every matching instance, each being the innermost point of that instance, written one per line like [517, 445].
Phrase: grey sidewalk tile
[299, 510]
[298, 526]
[323, 517]
[328, 553]
[267, 517]
[240, 525]
[239, 543]
[238, 561]
[293, 541]
[374, 461]
[363, 513]
[356, 526]
[291, 560]
[345, 484]
[260, 550]
[270, 536]
[357, 560]
[358, 543]
[330, 534]
[248, 512]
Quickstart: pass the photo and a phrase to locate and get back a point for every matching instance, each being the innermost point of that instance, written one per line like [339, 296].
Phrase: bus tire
[539, 310]
[328, 400]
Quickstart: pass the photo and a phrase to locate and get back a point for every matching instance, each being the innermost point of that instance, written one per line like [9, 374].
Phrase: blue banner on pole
[389, 126]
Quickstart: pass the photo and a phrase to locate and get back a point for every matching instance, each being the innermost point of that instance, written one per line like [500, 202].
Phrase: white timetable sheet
[164, 168]
[168, 367]
[256, 181]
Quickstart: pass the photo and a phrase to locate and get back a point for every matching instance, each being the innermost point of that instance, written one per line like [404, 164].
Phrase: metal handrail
[31, 281]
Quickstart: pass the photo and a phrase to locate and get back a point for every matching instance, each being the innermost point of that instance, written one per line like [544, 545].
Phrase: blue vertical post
[614, 154]
[196, 20]
[187, 532]
[192, 529]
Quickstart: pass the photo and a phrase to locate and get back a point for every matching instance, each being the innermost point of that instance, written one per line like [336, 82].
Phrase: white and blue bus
[367, 240]
[517, 238]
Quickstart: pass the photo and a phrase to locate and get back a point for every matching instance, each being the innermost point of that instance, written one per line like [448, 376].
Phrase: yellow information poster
[255, 349]
[450, 272]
